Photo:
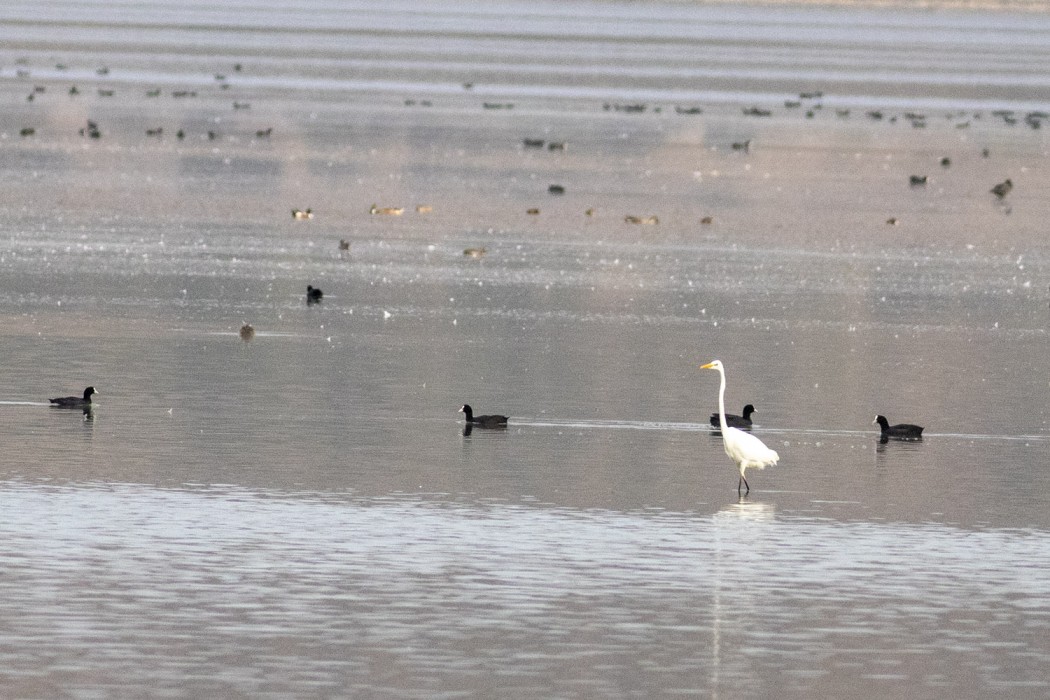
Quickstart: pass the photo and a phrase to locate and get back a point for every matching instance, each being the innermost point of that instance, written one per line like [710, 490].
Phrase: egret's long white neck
[722, 400]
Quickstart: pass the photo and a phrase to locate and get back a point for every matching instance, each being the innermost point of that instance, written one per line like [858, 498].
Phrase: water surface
[303, 515]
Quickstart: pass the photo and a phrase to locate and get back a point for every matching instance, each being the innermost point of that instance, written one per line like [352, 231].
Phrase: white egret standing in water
[743, 448]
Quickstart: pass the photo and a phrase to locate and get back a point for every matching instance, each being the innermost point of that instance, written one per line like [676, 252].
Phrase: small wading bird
[247, 332]
[743, 448]
[743, 422]
[901, 431]
[302, 214]
[75, 401]
[494, 421]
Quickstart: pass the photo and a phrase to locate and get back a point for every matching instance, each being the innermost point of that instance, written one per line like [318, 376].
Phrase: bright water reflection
[220, 590]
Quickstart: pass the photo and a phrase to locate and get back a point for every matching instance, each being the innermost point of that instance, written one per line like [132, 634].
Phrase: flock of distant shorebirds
[809, 103]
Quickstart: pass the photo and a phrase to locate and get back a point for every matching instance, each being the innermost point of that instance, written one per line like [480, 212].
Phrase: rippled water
[280, 594]
[303, 515]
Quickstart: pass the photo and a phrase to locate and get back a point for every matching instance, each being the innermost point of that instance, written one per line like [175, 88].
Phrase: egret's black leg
[746, 486]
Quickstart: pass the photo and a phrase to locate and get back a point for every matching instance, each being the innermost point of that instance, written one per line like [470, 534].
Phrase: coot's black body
[901, 431]
[313, 294]
[75, 401]
[733, 421]
[494, 421]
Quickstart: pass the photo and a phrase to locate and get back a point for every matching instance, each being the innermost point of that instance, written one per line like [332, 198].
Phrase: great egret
[494, 421]
[743, 448]
[75, 401]
[743, 422]
[902, 431]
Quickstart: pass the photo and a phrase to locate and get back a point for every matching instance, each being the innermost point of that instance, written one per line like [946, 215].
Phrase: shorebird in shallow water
[247, 332]
[302, 214]
[743, 448]
[386, 211]
[1002, 189]
[648, 220]
[474, 252]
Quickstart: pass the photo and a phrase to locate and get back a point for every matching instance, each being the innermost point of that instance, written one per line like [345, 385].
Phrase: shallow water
[302, 515]
[279, 594]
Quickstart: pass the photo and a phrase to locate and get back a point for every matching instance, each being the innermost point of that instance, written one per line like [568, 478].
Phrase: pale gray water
[302, 515]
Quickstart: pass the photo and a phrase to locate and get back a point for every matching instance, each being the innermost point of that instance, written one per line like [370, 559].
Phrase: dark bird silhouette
[1002, 189]
[494, 421]
[75, 401]
[733, 421]
[313, 294]
[901, 431]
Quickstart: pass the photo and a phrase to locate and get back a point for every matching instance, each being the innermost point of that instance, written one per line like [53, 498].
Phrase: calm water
[302, 515]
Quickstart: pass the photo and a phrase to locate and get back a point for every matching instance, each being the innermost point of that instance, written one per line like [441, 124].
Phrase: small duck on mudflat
[1002, 189]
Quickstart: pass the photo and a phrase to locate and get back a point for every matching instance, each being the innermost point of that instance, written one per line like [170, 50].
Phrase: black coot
[901, 431]
[75, 401]
[494, 421]
[742, 422]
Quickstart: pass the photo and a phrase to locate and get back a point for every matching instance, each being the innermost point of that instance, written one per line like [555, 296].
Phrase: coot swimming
[494, 421]
[75, 401]
[902, 431]
[733, 421]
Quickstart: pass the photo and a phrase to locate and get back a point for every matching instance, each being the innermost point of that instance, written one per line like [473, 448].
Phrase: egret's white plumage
[743, 448]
